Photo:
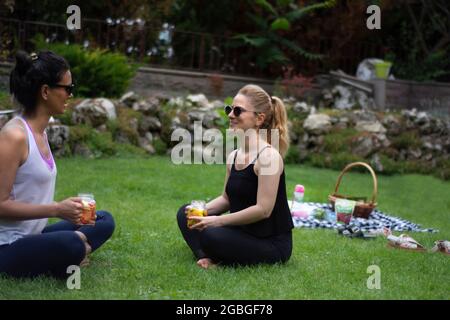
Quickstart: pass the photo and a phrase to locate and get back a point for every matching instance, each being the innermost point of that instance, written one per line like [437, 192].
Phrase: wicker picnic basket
[362, 208]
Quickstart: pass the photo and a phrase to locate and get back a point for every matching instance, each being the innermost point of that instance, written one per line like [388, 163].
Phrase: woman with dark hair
[258, 228]
[41, 84]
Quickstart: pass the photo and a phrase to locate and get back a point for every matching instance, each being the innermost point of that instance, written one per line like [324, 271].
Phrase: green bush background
[96, 72]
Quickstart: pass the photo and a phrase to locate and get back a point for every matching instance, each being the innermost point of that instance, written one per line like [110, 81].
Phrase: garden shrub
[65, 118]
[341, 159]
[160, 146]
[339, 140]
[127, 150]
[167, 114]
[5, 101]
[102, 144]
[319, 160]
[336, 161]
[297, 127]
[292, 155]
[124, 120]
[418, 166]
[443, 169]
[223, 123]
[407, 139]
[99, 143]
[80, 133]
[390, 166]
[390, 152]
[113, 127]
[96, 73]
[292, 115]
[333, 112]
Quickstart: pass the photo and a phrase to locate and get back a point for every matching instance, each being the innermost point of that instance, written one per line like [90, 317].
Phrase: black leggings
[233, 246]
[55, 249]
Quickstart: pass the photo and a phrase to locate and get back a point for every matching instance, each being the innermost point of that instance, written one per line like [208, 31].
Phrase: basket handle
[354, 164]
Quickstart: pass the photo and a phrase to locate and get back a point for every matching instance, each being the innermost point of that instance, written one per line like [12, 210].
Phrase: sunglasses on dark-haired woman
[236, 110]
[69, 88]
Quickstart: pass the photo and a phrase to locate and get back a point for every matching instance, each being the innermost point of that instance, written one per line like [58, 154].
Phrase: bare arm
[218, 205]
[13, 151]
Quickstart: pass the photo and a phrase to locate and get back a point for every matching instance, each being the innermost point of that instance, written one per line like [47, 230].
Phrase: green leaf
[299, 13]
[280, 24]
[284, 3]
[228, 100]
[266, 5]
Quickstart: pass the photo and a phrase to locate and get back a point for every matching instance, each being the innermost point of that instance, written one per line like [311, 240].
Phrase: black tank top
[242, 189]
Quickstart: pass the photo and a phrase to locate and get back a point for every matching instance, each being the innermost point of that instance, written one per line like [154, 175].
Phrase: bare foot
[85, 261]
[206, 263]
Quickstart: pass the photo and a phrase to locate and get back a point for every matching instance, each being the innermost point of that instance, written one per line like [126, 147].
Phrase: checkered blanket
[377, 220]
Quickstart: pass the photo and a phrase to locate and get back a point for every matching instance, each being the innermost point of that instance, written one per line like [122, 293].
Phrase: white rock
[108, 106]
[199, 100]
[317, 123]
[370, 126]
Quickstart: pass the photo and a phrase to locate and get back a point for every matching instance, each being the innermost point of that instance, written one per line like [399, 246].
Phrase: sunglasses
[236, 110]
[69, 88]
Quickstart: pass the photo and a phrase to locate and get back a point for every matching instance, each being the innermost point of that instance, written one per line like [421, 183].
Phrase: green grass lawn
[148, 259]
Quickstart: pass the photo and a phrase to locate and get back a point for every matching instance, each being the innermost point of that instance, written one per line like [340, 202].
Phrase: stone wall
[151, 80]
[413, 141]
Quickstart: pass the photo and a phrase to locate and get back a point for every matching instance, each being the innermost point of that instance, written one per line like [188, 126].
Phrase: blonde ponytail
[279, 122]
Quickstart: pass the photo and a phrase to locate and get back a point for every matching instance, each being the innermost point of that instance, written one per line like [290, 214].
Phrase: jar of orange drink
[88, 215]
[196, 208]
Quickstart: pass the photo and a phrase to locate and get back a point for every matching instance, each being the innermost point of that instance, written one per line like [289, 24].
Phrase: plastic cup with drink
[344, 210]
[196, 208]
[88, 215]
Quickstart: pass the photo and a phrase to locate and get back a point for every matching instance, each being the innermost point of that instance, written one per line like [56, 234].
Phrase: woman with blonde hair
[258, 228]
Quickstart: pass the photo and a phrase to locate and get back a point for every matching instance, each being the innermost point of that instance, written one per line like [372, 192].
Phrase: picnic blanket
[377, 220]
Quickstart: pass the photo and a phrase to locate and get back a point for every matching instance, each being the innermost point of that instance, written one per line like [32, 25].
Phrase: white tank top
[35, 184]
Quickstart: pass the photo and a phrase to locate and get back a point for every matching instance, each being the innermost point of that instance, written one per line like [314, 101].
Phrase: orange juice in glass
[196, 208]
[88, 215]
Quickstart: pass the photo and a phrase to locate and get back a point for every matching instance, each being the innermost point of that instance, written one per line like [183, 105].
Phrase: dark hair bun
[23, 62]
[30, 74]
